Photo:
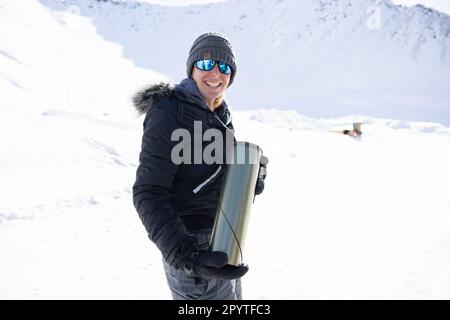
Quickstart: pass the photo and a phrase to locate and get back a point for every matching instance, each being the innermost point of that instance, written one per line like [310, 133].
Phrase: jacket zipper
[204, 183]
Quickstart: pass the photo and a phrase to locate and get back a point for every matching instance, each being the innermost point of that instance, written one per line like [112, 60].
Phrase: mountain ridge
[323, 58]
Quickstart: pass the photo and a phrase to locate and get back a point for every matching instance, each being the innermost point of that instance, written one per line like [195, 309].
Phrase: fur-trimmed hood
[186, 90]
[145, 98]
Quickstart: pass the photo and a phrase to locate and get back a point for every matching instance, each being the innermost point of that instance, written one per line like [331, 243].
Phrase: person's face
[212, 84]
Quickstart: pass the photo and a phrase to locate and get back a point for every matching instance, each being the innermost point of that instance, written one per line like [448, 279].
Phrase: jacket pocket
[207, 181]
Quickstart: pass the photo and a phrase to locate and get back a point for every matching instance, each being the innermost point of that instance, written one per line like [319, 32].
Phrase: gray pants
[187, 287]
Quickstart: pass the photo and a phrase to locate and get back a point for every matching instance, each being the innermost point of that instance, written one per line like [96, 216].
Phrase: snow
[335, 57]
[441, 5]
[181, 2]
[340, 218]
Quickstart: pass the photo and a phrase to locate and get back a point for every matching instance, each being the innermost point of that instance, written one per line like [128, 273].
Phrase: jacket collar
[188, 91]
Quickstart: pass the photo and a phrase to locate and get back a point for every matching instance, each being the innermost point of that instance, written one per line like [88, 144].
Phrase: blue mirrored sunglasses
[208, 65]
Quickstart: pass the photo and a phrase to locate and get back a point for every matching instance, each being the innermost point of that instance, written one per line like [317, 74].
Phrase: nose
[216, 70]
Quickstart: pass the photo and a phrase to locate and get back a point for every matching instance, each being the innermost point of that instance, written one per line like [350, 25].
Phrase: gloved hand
[261, 175]
[211, 265]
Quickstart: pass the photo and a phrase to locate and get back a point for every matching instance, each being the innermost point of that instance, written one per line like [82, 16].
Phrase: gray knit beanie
[215, 44]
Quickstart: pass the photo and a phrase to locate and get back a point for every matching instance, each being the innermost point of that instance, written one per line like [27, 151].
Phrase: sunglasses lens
[209, 64]
[224, 68]
[205, 65]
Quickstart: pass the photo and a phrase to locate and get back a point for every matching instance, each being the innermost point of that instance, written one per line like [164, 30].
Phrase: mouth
[212, 84]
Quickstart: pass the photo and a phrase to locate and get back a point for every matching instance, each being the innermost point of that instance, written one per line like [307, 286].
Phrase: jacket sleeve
[152, 191]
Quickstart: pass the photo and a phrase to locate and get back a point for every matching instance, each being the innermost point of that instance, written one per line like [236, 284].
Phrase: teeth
[213, 84]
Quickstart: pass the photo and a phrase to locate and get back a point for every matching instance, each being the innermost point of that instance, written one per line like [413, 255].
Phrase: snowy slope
[322, 58]
[69, 142]
[340, 218]
[48, 62]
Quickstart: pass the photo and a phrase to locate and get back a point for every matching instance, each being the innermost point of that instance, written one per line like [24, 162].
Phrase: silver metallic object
[237, 195]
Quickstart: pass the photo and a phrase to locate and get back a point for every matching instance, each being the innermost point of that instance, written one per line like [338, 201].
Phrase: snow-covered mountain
[55, 61]
[322, 58]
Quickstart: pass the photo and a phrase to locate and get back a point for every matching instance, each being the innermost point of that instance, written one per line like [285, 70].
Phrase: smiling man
[176, 200]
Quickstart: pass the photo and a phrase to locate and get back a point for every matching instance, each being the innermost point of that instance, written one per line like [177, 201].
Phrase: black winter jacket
[173, 200]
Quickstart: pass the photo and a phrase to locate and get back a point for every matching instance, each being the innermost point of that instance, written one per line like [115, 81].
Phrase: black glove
[211, 265]
[261, 175]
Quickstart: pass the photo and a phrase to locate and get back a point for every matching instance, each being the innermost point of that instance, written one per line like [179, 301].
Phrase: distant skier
[176, 202]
